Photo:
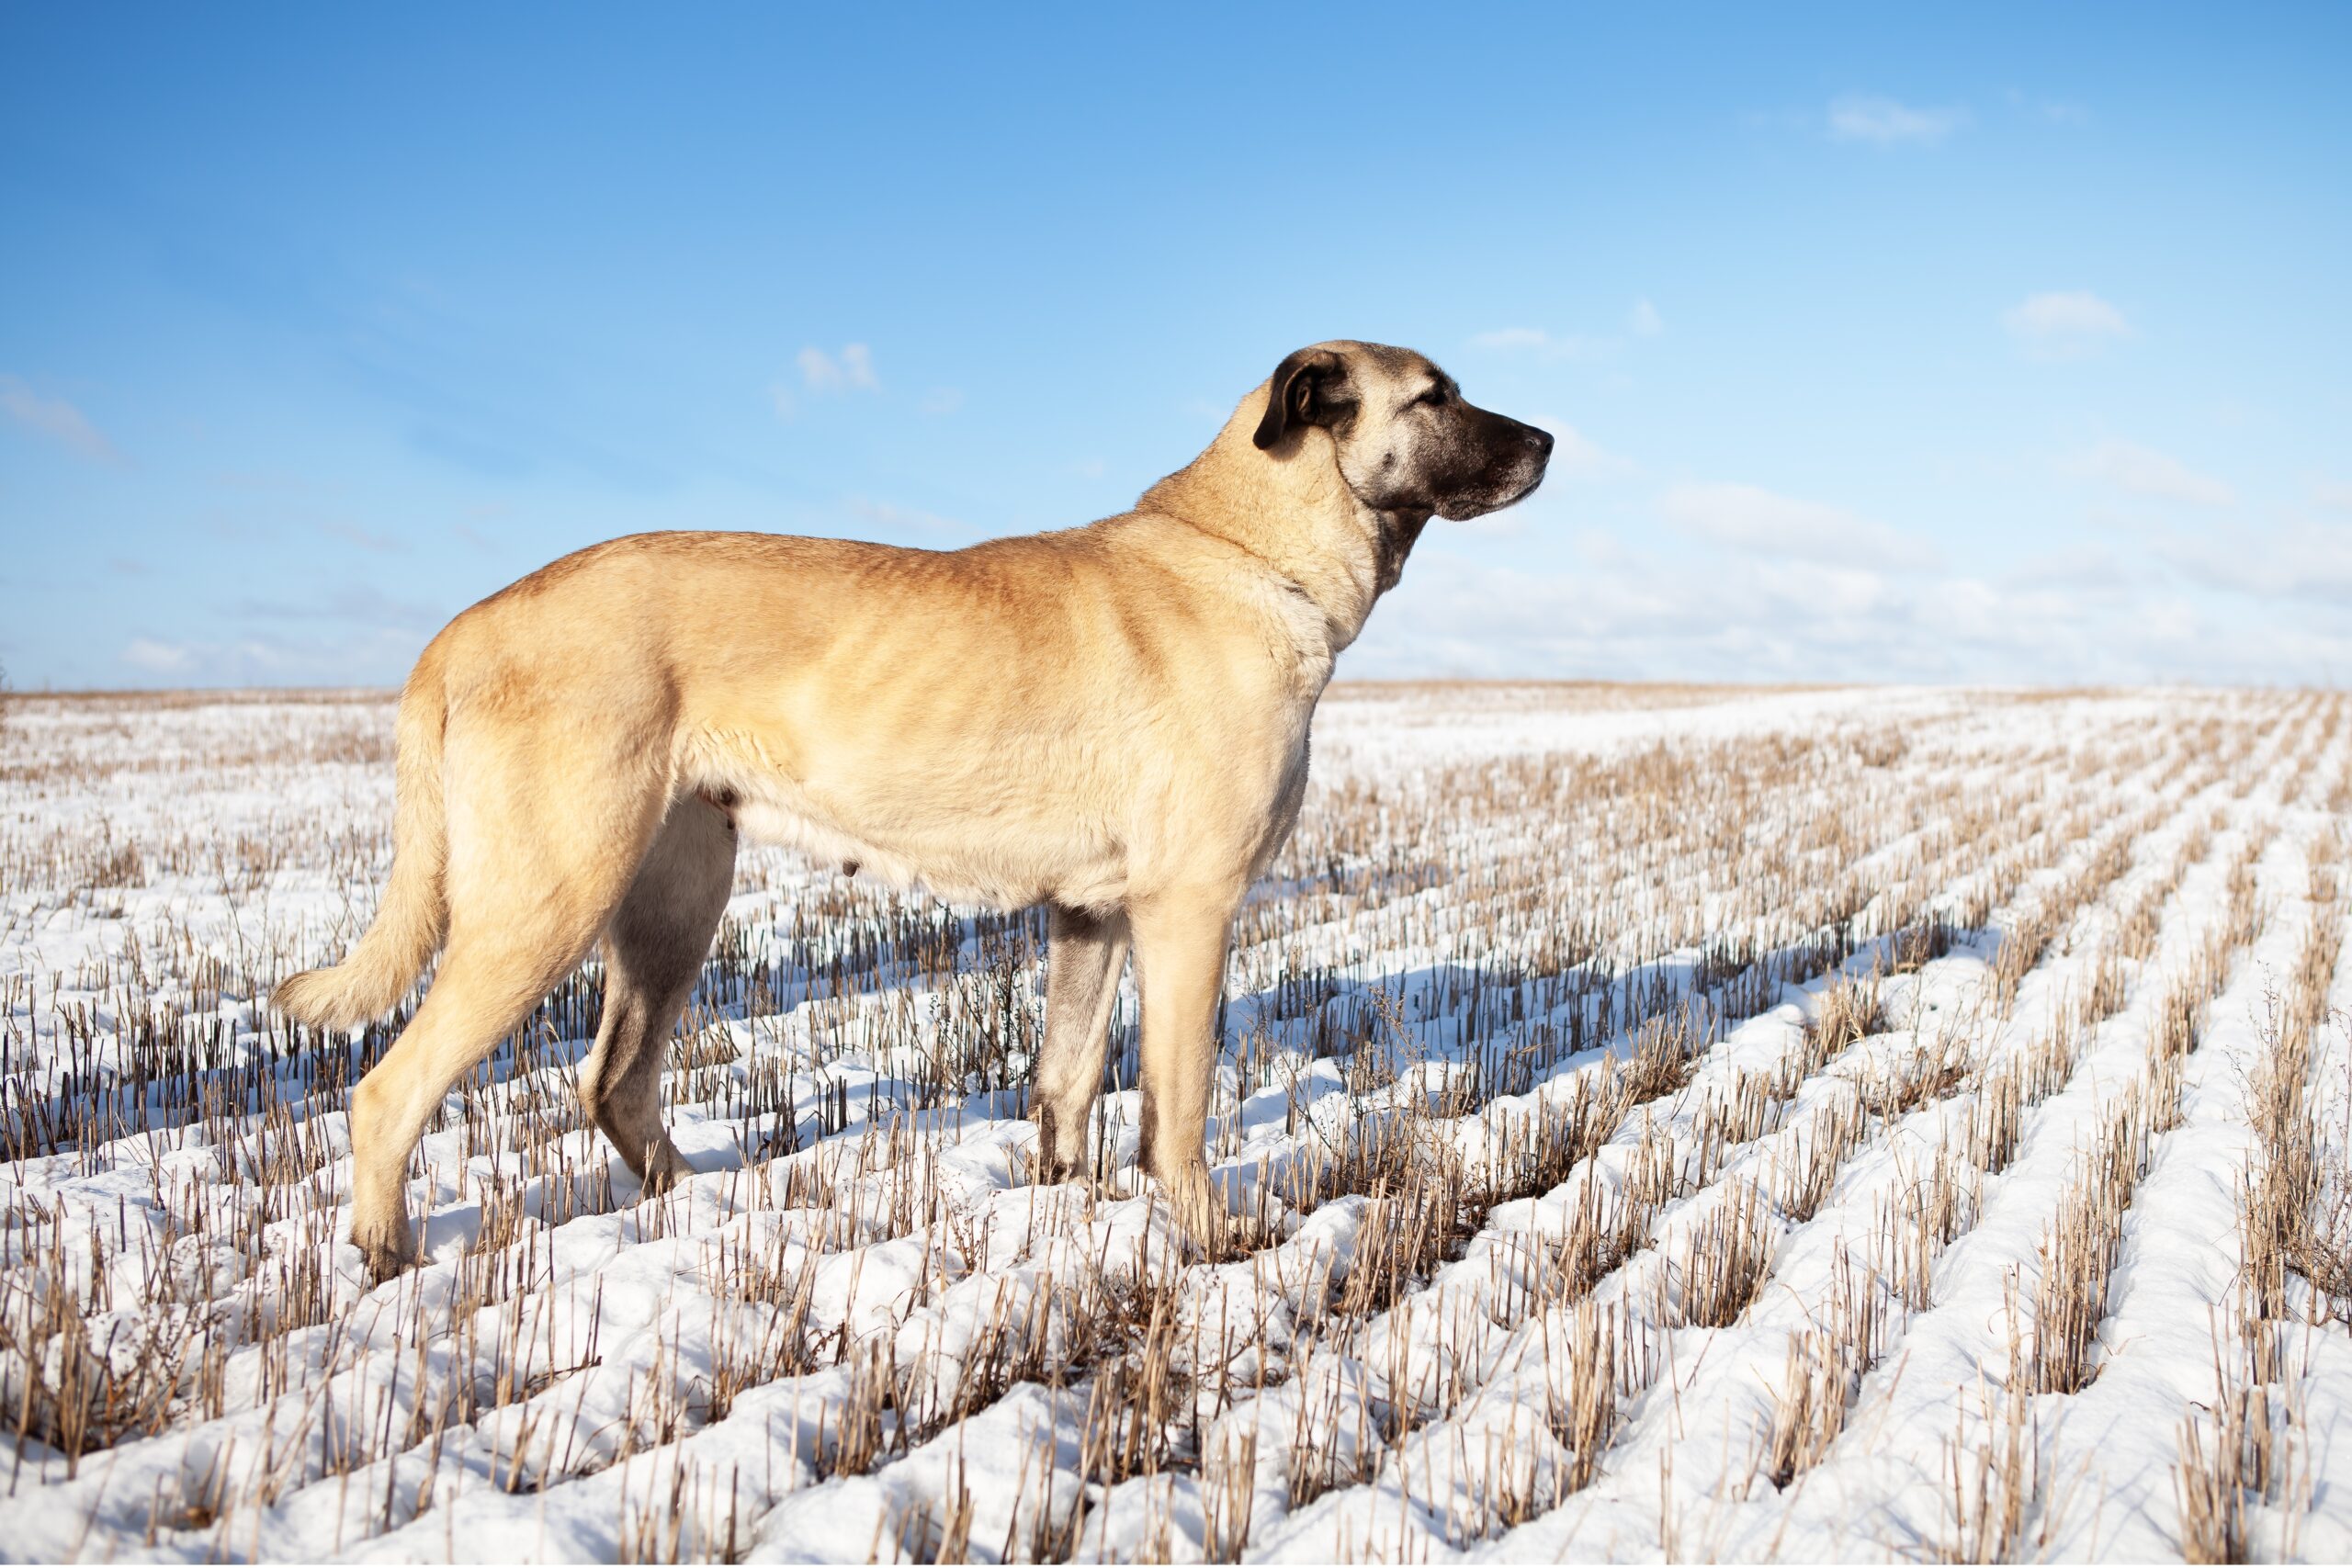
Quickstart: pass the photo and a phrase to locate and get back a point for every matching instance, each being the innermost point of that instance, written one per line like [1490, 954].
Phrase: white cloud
[1870, 116]
[1626, 613]
[2065, 323]
[57, 420]
[2334, 497]
[2142, 470]
[341, 653]
[1576, 455]
[1599, 546]
[158, 658]
[2083, 565]
[853, 367]
[1750, 518]
[2303, 561]
[1641, 321]
[942, 400]
[882, 514]
[823, 375]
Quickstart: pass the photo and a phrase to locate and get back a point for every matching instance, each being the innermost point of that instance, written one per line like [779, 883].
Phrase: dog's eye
[1435, 397]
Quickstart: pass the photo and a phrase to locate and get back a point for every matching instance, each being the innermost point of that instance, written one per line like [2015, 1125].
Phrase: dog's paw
[1194, 1204]
[664, 1168]
[388, 1250]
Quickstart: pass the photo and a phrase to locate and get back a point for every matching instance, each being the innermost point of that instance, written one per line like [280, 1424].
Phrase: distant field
[1869, 1124]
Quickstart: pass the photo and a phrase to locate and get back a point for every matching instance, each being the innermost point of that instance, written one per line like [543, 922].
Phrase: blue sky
[1996, 343]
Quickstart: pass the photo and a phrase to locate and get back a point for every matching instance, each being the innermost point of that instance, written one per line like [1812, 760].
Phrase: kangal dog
[1110, 720]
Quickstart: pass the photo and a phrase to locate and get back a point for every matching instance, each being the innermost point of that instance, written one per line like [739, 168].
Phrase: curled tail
[414, 915]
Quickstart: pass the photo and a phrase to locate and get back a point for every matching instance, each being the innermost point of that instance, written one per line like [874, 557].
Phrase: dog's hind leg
[547, 828]
[654, 948]
[1083, 956]
[488, 984]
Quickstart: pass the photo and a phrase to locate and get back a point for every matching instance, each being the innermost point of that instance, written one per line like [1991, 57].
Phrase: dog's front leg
[1083, 958]
[1179, 965]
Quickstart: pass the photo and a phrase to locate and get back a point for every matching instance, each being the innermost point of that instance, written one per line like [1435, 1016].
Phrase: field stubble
[1752, 1125]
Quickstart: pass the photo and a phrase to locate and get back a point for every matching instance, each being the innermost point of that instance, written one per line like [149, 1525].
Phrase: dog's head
[1407, 442]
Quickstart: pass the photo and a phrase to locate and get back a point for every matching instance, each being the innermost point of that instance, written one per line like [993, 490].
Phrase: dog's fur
[1111, 720]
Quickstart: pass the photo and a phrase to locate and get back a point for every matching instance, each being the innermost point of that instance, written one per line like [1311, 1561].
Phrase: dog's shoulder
[1211, 578]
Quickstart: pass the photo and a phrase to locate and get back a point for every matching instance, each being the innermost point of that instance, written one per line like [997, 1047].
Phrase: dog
[1111, 720]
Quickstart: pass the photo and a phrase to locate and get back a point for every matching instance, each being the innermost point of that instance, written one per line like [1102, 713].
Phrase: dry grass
[1992, 1476]
[2293, 1208]
[1495, 1048]
[1826, 1366]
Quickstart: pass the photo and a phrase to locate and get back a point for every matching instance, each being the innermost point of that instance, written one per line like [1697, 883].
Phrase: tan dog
[1111, 720]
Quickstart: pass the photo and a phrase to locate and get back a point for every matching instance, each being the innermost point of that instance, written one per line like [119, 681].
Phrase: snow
[862, 1330]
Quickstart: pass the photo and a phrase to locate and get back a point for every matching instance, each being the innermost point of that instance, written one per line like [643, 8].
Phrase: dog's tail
[413, 918]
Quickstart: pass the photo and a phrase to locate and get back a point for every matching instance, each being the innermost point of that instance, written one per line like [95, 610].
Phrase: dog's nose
[1541, 440]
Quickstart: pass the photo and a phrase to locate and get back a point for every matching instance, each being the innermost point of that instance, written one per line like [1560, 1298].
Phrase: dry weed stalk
[1804, 1181]
[1997, 1120]
[1992, 1476]
[2251, 1445]
[2078, 1251]
[1826, 1367]
[2293, 1211]
[1849, 1012]
[1927, 1210]
[1723, 1260]
[1929, 1071]
[1583, 1415]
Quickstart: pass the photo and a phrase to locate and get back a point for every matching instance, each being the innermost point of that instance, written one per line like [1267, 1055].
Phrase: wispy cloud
[1875, 118]
[1626, 612]
[2143, 471]
[824, 374]
[1761, 523]
[882, 514]
[942, 400]
[339, 653]
[55, 420]
[2306, 560]
[2055, 111]
[1642, 320]
[158, 658]
[1576, 455]
[2064, 325]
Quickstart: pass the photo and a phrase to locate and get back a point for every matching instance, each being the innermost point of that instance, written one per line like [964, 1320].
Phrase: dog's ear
[1310, 387]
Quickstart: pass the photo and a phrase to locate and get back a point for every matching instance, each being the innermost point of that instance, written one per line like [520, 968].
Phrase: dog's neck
[1296, 513]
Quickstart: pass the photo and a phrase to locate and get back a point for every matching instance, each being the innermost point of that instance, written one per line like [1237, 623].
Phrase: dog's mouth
[1514, 466]
[1514, 484]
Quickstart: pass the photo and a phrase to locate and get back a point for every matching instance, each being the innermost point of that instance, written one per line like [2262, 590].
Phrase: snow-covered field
[1892, 1124]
